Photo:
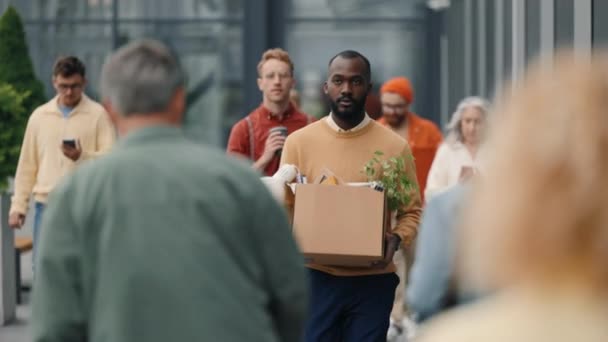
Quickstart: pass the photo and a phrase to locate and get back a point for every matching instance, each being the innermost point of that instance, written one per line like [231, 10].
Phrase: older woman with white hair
[457, 158]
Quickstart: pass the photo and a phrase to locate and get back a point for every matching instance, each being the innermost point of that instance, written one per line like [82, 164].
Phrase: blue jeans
[38, 210]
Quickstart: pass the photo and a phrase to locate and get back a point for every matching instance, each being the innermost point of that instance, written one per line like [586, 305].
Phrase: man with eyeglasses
[260, 136]
[60, 135]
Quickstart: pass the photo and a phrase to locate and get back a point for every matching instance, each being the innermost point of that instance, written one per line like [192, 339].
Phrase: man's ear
[325, 90]
[177, 107]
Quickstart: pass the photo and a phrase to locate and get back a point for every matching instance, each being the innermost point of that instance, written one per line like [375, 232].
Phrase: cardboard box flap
[327, 177]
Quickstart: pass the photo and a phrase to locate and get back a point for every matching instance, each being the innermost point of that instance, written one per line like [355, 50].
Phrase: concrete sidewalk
[18, 331]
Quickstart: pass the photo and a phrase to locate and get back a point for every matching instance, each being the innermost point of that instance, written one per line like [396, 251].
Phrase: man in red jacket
[423, 136]
[253, 137]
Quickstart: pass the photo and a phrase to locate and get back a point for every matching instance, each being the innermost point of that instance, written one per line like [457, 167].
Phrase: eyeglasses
[282, 76]
[65, 87]
[394, 107]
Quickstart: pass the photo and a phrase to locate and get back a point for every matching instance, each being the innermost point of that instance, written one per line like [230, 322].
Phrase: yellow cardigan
[42, 163]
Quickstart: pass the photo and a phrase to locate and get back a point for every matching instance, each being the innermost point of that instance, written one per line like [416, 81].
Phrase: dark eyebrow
[354, 77]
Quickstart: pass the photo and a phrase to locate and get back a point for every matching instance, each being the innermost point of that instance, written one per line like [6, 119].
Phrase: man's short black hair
[68, 66]
[350, 54]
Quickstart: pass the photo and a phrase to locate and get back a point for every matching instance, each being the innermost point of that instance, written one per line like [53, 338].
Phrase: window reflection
[205, 33]
[390, 33]
[357, 8]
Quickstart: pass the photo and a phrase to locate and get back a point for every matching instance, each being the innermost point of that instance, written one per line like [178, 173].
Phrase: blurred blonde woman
[457, 158]
[536, 231]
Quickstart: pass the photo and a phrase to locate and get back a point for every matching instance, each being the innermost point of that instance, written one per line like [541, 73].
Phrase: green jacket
[166, 240]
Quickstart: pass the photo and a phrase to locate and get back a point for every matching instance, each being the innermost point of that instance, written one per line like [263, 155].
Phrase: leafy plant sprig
[393, 177]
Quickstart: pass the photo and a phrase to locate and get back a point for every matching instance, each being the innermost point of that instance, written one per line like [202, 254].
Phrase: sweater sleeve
[289, 155]
[27, 169]
[105, 137]
[408, 216]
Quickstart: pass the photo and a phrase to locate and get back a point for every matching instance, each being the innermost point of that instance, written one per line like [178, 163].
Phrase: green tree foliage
[13, 118]
[20, 91]
[15, 64]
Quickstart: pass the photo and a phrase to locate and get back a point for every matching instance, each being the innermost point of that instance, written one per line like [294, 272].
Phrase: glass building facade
[220, 43]
[448, 48]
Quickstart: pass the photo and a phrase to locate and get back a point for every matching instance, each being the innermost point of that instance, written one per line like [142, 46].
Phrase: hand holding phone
[466, 172]
[70, 142]
[71, 149]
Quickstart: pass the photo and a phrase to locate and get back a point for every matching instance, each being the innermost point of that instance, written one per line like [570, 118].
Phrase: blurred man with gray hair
[163, 239]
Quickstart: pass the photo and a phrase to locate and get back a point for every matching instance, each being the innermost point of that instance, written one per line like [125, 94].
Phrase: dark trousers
[350, 309]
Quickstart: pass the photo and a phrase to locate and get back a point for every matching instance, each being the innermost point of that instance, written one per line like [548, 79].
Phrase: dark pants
[350, 309]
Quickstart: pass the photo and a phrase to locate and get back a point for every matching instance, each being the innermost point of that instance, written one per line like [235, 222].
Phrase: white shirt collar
[332, 123]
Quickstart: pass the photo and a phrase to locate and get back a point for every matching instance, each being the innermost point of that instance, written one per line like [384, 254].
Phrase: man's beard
[357, 107]
[397, 121]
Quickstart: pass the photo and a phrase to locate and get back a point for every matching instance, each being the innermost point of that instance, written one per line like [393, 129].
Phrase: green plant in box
[393, 177]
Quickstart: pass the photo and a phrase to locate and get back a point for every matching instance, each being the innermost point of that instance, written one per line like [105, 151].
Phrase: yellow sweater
[318, 146]
[42, 163]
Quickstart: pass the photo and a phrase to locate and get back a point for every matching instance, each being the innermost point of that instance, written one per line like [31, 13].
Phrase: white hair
[141, 78]
[453, 129]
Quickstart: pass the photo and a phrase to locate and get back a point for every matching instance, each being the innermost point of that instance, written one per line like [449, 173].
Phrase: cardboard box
[340, 225]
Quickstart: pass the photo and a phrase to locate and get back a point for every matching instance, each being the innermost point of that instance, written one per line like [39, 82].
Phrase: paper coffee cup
[280, 129]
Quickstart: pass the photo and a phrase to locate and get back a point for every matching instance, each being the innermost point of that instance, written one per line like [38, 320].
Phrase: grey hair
[453, 129]
[141, 78]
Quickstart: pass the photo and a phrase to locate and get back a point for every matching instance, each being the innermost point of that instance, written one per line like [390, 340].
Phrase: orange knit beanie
[401, 86]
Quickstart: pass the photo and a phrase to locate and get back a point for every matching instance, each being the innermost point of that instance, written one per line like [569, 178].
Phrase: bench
[22, 245]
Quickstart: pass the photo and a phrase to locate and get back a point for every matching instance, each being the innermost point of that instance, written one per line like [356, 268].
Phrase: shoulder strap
[251, 138]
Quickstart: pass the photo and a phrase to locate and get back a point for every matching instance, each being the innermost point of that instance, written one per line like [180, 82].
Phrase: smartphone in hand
[466, 172]
[70, 142]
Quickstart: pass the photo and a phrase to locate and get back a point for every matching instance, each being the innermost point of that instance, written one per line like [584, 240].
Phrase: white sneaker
[409, 328]
[395, 331]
